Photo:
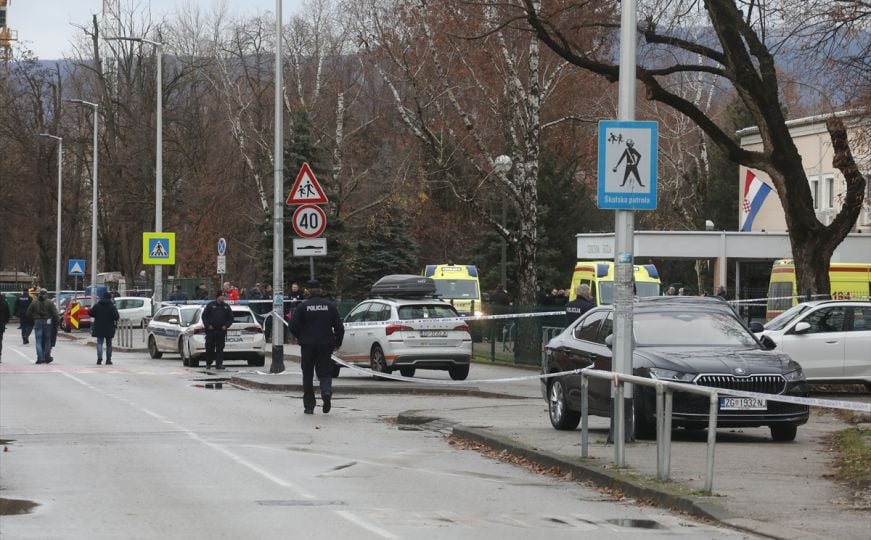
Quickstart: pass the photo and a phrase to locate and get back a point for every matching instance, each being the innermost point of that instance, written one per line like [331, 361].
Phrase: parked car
[691, 340]
[137, 309]
[245, 340]
[166, 329]
[831, 339]
[70, 303]
[406, 334]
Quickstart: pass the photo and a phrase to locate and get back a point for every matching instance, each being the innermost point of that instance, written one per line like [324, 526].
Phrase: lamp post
[158, 167]
[277, 365]
[502, 165]
[93, 201]
[60, 167]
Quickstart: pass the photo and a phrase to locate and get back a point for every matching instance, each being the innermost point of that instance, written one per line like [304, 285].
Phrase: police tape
[796, 400]
[441, 320]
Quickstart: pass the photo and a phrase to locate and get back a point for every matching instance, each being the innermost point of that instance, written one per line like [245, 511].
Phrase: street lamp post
[158, 167]
[277, 365]
[93, 201]
[502, 165]
[60, 166]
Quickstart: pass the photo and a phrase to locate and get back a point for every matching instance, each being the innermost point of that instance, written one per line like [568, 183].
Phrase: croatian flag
[755, 191]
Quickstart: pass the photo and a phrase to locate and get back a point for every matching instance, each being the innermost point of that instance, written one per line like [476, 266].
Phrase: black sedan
[695, 341]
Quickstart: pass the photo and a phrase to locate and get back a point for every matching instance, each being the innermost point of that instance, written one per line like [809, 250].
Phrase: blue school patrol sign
[76, 267]
[627, 165]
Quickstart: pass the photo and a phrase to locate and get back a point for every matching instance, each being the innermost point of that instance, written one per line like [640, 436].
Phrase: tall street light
[277, 365]
[158, 190]
[60, 168]
[93, 201]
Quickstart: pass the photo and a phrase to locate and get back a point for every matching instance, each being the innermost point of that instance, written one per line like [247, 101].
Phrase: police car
[165, 330]
[404, 327]
[245, 339]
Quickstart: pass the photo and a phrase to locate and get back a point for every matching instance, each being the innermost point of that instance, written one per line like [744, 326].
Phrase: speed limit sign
[309, 221]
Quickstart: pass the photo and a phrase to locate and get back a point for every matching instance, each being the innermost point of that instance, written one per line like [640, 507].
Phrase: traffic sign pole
[624, 232]
[277, 365]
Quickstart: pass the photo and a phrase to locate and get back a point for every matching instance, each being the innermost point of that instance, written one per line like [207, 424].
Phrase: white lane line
[365, 524]
[21, 354]
[356, 520]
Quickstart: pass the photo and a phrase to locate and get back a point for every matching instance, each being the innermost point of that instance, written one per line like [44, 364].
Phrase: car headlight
[671, 375]
[794, 375]
[479, 313]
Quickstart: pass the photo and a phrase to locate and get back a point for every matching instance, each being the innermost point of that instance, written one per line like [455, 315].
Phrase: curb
[385, 389]
[626, 481]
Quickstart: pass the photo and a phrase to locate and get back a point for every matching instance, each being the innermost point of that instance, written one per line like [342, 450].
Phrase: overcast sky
[44, 26]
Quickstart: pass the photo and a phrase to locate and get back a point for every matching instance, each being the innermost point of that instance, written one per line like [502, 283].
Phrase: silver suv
[388, 334]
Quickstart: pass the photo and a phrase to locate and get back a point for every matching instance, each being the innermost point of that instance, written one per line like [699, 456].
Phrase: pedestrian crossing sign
[76, 267]
[158, 248]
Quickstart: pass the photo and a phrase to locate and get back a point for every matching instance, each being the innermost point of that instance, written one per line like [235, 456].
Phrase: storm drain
[299, 502]
[636, 523]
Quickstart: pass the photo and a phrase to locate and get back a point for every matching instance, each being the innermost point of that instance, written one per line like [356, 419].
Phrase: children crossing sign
[158, 248]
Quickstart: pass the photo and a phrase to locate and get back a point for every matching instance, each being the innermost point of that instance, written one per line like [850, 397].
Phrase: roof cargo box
[403, 286]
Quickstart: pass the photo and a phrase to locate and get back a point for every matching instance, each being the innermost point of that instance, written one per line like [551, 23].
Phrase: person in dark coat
[104, 316]
[319, 330]
[178, 295]
[4, 318]
[202, 292]
[217, 318]
[582, 303]
[44, 314]
[25, 323]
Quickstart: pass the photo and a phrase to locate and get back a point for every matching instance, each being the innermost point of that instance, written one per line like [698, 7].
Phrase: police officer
[217, 317]
[317, 326]
[580, 305]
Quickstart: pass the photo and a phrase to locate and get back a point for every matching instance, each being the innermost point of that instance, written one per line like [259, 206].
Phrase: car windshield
[690, 328]
[242, 317]
[606, 291]
[188, 316]
[426, 311]
[780, 322]
[457, 288]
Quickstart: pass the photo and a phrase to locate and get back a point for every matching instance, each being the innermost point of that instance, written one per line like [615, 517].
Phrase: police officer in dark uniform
[580, 305]
[217, 317]
[317, 326]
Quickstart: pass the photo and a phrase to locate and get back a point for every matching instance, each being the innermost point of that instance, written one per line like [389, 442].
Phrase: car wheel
[377, 360]
[336, 370]
[257, 361]
[181, 349]
[65, 327]
[407, 371]
[558, 408]
[152, 348]
[459, 373]
[783, 433]
[645, 424]
[184, 359]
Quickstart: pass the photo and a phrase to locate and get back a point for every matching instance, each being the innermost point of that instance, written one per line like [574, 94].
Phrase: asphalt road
[150, 449]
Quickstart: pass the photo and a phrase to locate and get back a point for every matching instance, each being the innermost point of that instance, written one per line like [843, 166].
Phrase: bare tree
[742, 53]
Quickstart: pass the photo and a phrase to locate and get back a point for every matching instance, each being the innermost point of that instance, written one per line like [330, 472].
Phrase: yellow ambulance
[848, 281]
[599, 275]
[458, 285]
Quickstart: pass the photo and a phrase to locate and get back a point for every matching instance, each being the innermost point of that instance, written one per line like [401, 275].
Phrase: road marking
[356, 520]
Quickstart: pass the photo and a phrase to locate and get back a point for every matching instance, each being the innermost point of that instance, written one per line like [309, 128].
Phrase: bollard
[619, 426]
[666, 432]
[660, 432]
[585, 414]
[712, 439]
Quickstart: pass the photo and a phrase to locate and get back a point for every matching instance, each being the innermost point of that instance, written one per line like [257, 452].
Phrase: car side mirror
[756, 327]
[768, 343]
[173, 321]
[609, 340]
[801, 327]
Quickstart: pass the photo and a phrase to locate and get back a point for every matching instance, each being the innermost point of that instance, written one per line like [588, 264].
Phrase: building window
[815, 193]
[830, 192]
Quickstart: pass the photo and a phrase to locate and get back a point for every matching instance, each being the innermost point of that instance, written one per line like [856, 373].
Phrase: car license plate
[433, 333]
[742, 404]
[233, 333]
